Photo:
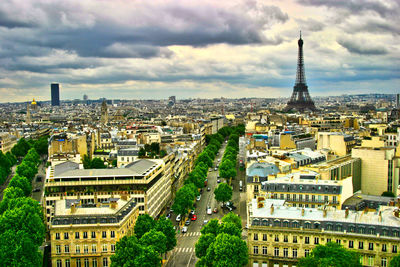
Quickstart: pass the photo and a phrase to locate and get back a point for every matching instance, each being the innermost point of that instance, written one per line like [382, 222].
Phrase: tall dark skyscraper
[55, 94]
[300, 99]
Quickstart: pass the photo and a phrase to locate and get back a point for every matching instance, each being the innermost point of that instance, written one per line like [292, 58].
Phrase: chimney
[113, 204]
[95, 198]
[324, 213]
[124, 196]
[380, 216]
[302, 211]
[396, 213]
[73, 208]
[272, 209]
[346, 212]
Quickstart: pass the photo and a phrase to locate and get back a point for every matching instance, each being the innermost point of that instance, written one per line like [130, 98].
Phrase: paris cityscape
[200, 133]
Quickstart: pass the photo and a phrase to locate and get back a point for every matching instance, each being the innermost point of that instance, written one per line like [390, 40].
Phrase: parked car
[208, 189]
[168, 215]
[215, 169]
[201, 191]
[209, 212]
[219, 160]
[194, 217]
[36, 190]
[39, 178]
[184, 229]
[205, 222]
[215, 210]
[187, 223]
[192, 211]
[198, 197]
[218, 181]
[178, 218]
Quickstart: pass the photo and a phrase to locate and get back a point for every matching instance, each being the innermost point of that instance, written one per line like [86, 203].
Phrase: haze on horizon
[154, 49]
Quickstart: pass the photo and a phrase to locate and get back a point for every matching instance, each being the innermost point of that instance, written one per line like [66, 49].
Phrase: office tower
[55, 94]
[85, 97]
[300, 99]
[397, 100]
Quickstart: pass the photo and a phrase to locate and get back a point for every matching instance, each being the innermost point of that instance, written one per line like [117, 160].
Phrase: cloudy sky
[154, 49]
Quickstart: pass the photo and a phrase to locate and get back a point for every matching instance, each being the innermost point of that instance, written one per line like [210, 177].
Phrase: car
[36, 190]
[39, 178]
[219, 160]
[178, 218]
[218, 181]
[194, 217]
[208, 189]
[218, 176]
[215, 210]
[210, 170]
[198, 197]
[205, 222]
[215, 169]
[187, 223]
[209, 212]
[192, 212]
[201, 191]
[184, 229]
[168, 215]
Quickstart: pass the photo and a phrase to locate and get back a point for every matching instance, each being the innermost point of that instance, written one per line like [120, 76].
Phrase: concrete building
[67, 145]
[126, 156]
[144, 180]
[338, 143]
[278, 234]
[55, 94]
[7, 141]
[300, 141]
[86, 234]
[379, 169]
[257, 173]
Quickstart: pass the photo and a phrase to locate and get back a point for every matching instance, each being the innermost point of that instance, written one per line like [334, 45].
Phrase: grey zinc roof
[65, 167]
[262, 169]
[128, 152]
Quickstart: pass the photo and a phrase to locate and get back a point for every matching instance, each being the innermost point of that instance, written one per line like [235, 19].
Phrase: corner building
[279, 235]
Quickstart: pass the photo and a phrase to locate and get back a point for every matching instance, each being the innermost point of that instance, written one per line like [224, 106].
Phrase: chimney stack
[324, 212]
[124, 196]
[272, 209]
[113, 204]
[346, 212]
[380, 216]
[302, 211]
[73, 208]
[396, 213]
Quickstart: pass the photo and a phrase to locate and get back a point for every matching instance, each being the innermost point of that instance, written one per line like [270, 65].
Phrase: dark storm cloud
[361, 47]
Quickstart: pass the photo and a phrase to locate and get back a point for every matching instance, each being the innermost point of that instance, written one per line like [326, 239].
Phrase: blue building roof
[262, 170]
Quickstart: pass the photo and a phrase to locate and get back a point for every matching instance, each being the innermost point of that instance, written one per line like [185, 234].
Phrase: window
[351, 244]
[384, 247]
[66, 236]
[255, 250]
[104, 234]
[58, 249]
[306, 252]
[316, 240]
[57, 236]
[85, 249]
[255, 236]
[294, 239]
[307, 240]
[276, 251]
[338, 241]
[113, 247]
[76, 235]
[328, 240]
[294, 253]
[371, 246]
[276, 238]
[394, 249]
[112, 234]
[84, 234]
[264, 237]
[370, 261]
[78, 262]
[264, 250]
[361, 245]
[67, 263]
[282, 196]
[384, 262]
[285, 238]
[105, 262]
[94, 263]
[59, 263]
[104, 247]
[86, 262]
[93, 234]
[94, 248]
[77, 249]
[66, 248]
[285, 252]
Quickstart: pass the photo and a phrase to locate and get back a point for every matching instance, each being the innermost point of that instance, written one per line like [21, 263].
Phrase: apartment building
[86, 234]
[145, 180]
[7, 141]
[305, 189]
[338, 143]
[278, 234]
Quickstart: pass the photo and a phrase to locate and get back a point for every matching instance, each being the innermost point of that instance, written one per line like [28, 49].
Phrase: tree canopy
[144, 223]
[165, 226]
[223, 192]
[331, 254]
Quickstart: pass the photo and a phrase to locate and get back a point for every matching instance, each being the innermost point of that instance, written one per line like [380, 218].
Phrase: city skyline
[198, 50]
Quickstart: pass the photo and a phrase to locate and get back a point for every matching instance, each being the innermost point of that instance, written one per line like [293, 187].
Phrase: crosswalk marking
[184, 250]
[192, 234]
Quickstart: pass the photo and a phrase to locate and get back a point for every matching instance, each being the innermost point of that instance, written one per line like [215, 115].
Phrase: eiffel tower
[300, 99]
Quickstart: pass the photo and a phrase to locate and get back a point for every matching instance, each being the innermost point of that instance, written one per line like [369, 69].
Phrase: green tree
[32, 156]
[387, 194]
[233, 218]
[26, 169]
[11, 158]
[114, 163]
[184, 199]
[223, 192]
[87, 162]
[142, 152]
[21, 148]
[212, 227]
[227, 250]
[98, 163]
[8, 194]
[130, 253]
[203, 244]
[155, 147]
[155, 239]
[5, 161]
[165, 226]
[144, 223]
[204, 157]
[231, 229]
[41, 145]
[163, 153]
[395, 261]
[331, 254]
[22, 183]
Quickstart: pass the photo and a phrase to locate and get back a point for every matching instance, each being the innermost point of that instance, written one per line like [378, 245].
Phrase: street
[184, 252]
